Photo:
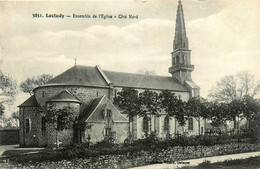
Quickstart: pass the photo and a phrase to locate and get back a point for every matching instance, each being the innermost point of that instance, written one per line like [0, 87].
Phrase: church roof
[80, 75]
[64, 96]
[120, 79]
[94, 113]
[94, 76]
[30, 102]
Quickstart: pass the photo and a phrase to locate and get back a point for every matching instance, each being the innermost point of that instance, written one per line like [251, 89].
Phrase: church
[90, 92]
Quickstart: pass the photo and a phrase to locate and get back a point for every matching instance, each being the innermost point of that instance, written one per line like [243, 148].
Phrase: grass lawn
[248, 163]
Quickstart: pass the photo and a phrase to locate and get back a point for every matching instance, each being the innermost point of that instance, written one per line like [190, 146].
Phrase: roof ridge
[135, 73]
[96, 106]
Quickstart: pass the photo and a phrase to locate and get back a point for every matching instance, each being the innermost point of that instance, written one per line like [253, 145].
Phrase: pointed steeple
[181, 61]
[180, 39]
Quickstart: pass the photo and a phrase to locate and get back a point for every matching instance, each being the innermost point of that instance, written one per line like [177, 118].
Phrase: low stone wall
[9, 136]
[171, 155]
[142, 158]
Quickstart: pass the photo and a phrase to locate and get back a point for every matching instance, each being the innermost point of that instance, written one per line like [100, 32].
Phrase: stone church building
[90, 91]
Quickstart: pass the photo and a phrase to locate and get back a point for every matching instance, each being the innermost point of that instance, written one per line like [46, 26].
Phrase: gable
[95, 113]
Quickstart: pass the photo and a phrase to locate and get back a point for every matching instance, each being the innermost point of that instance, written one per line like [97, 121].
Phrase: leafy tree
[251, 107]
[231, 90]
[168, 101]
[172, 106]
[217, 113]
[61, 119]
[127, 100]
[29, 84]
[149, 104]
[197, 109]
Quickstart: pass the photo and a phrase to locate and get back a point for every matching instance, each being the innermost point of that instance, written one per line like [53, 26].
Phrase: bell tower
[181, 60]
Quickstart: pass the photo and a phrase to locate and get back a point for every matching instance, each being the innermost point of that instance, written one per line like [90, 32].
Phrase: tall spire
[180, 39]
[181, 60]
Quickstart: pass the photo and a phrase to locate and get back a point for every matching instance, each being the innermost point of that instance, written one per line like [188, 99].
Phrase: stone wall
[142, 158]
[84, 94]
[157, 126]
[170, 155]
[31, 137]
[96, 132]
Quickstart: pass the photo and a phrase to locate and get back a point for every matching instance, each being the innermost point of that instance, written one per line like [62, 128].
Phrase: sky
[224, 37]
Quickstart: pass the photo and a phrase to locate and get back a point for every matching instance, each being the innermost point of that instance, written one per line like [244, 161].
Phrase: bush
[151, 144]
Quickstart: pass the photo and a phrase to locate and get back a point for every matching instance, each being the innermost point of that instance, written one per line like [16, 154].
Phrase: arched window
[190, 124]
[43, 124]
[177, 59]
[183, 44]
[145, 123]
[166, 123]
[183, 59]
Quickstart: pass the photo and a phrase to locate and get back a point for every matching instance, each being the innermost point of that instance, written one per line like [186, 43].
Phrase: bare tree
[29, 84]
[233, 87]
[8, 88]
[232, 90]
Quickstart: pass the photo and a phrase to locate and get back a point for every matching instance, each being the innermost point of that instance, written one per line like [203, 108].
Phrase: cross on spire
[75, 61]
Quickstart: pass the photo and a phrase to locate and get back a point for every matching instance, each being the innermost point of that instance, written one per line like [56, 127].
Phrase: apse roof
[80, 75]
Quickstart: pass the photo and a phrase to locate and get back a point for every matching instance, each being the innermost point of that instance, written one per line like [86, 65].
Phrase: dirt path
[194, 162]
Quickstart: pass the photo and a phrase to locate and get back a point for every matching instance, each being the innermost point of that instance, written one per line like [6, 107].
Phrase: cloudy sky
[224, 37]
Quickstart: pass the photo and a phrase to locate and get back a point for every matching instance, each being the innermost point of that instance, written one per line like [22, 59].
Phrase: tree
[61, 119]
[127, 100]
[2, 108]
[15, 118]
[149, 105]
[8, 89]
[251, 108]
[233, 87]
[8, 92]
[29, 84]
[196, 109]
[170, 104]
[217, 113]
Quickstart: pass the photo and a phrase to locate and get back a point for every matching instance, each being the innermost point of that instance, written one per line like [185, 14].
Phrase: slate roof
[94, 112]
[64, 96]
[30, 102]
[192, 84]
[121, 79]
[91, 76]
[80, 75]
